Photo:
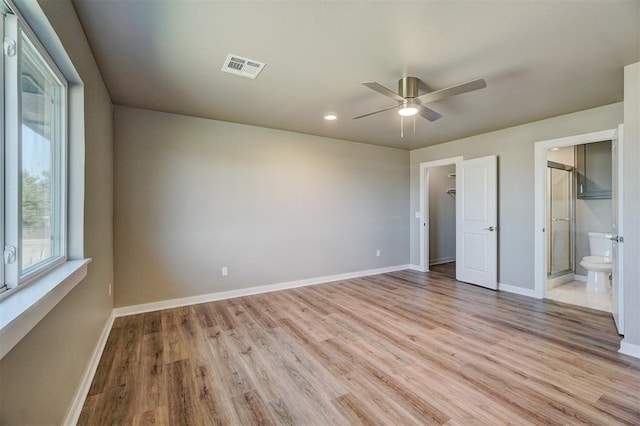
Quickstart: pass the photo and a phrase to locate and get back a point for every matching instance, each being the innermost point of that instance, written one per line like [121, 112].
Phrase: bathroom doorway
[576, 199]
[575, 210]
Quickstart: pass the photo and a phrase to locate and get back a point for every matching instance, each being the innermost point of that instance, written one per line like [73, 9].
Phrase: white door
[477, 225]
[617, 299]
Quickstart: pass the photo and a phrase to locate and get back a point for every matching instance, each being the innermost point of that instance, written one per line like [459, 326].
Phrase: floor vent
[243, 67]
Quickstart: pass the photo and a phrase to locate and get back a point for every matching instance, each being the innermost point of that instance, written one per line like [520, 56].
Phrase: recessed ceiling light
[330, 117]
[555, 149]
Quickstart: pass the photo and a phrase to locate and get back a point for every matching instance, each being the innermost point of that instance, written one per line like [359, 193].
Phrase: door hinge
[9, 254]
[9, 47]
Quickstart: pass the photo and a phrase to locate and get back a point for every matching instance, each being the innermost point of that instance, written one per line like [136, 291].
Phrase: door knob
[491, 228]
[617, 239]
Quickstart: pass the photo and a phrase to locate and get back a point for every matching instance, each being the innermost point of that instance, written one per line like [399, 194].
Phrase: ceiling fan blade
[458, 89]
[375, 112]
[381, 89]
[427, 113]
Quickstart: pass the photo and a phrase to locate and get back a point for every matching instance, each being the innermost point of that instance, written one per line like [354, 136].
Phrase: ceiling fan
[409, 101]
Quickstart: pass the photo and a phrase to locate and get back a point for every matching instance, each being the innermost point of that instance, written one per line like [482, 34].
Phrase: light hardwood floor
[447, 269]
[398, 348]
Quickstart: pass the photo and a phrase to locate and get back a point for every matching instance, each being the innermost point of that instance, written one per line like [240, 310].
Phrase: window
[34, 154]
[38, 184]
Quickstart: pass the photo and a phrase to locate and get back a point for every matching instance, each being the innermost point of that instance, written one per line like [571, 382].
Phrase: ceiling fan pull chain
[401, 126]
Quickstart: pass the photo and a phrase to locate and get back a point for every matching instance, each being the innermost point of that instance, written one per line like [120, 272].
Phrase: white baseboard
[629, 349]
[582, 278]
[81, 394]
[211, 297]
[442, 260]
[518, 290]
[501, 286]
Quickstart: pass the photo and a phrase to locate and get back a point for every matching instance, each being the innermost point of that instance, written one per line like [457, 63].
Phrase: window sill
[22, 311]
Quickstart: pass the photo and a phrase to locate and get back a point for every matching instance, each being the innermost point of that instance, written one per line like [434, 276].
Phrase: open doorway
[442, 219]
[578, 256]
[579, 224]
[476, 216]
[438, 205]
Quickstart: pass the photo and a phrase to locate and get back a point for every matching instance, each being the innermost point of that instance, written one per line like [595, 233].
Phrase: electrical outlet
[225, 271]
[378, 253]
[110, 289]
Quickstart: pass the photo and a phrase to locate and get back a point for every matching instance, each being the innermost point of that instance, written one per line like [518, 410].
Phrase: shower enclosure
[560, 219]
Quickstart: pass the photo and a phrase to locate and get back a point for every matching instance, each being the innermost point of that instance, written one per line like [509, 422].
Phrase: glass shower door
[560, 219]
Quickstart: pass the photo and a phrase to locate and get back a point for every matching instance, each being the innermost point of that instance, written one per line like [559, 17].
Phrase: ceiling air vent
[243, 67]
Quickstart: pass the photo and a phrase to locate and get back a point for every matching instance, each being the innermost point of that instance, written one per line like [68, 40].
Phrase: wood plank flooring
[447, 269]
[399, 348]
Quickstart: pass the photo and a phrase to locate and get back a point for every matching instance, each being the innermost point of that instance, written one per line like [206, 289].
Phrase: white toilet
[598, 263]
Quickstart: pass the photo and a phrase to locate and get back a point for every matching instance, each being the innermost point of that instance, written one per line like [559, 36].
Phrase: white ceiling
[539, 59]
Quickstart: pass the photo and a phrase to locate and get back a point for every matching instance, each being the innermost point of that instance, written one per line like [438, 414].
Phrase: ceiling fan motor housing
[408, 87]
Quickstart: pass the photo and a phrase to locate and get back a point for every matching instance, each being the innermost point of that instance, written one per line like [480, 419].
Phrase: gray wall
[40, 376]
[631, 230]
[442, 215]
[193, 195]
[515, 149]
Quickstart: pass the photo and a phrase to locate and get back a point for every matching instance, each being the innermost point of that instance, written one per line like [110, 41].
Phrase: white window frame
[23, 307]
[3, 286]
[14, 276]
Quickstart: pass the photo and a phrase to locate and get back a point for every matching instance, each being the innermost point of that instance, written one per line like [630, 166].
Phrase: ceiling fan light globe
[408, 111]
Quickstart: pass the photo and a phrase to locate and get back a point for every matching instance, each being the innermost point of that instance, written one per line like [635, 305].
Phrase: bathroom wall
[591, 216]
[442, 215]
[564, 155]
